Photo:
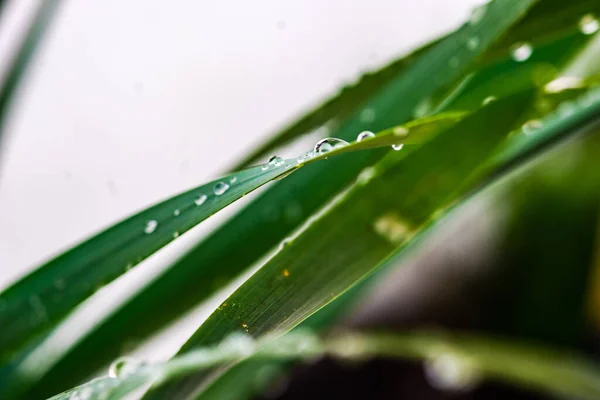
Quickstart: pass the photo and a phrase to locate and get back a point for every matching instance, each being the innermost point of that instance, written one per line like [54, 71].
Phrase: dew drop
[233, 179]
[220, 188]
[364, 135]
[488, 100]
[367, 115]
[150, 226]
[265, 167]
[175, 235]
[200, 200]
[124, 367]
[397, 147]
[176, 212]
[588, 24]
[531, 126]
[473, 43]
[328, 144]
[276, 161]
[521, 51]
[452, 373]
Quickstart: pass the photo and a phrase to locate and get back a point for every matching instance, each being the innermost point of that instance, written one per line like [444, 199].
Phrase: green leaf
[358, 231]
[111, 252]
[262, 225]
[519, 148]
[18, 64]
[546, 370]
[40, 299]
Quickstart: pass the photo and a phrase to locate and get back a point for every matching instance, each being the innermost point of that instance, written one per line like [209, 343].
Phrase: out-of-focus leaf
[271, 217]
[547, 370]
[17, 65]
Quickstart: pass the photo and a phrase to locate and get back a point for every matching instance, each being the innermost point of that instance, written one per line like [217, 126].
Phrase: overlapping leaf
[262, 225]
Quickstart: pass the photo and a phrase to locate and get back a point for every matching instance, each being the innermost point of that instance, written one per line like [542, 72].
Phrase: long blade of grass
[41, 299]
[238, 381]
[546, 370]
[289, 199]
[363, 226]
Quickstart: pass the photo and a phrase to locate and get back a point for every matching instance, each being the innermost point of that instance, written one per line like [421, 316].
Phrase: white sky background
[131, 101]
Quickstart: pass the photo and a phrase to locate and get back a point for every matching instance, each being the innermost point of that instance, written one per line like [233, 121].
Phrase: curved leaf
[18, 64]
[547, 370]
[364, 226]
[271, 217]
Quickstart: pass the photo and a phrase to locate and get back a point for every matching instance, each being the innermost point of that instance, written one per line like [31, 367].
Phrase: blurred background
[128, 102]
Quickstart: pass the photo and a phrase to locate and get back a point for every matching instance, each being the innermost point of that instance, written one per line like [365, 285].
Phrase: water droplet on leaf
[124, 367]
[200, 200]
[151, 226]
[588, 24]
[521, 52]
[220, 188]
[233, 179]
[328, 144]
[276, 161]
[364, 135]
[176, 212]
[397, 147]
[488, 100]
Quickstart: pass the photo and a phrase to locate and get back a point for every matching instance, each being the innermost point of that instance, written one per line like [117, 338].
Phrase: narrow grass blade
[42, 298]
[18, 64]
[392, 105]
[356, 232]
[546, 370]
